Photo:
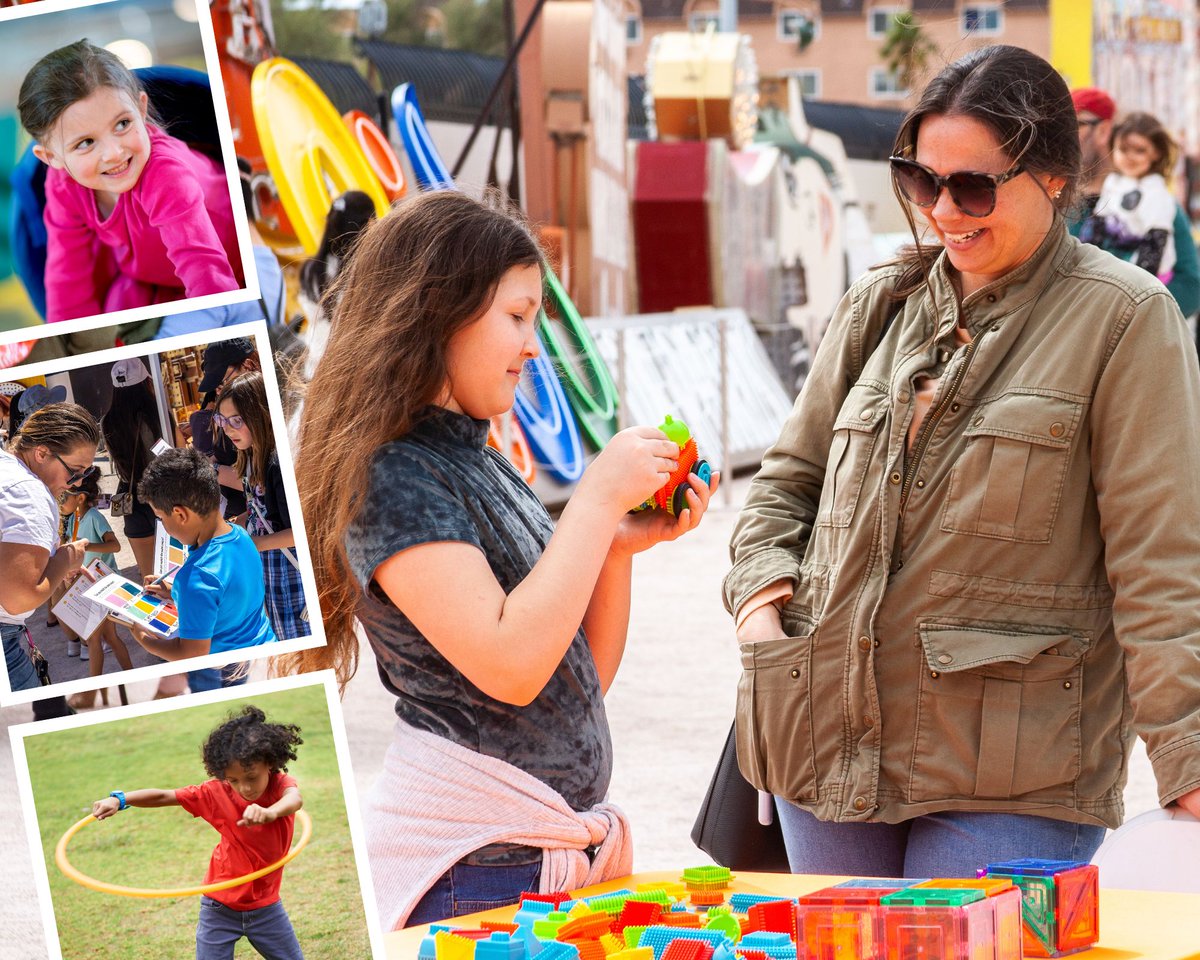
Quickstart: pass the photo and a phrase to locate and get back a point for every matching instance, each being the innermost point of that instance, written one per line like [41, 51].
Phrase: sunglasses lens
[975, 195]
[915, 183]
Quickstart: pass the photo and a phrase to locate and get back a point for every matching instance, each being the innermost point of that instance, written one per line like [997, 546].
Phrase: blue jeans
[214, 678]
[21, 675]
[268, 929]
[469, 889]
[947, 844]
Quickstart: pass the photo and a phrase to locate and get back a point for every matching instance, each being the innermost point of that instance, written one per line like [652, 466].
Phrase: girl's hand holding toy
[640, 531]
[632, 465]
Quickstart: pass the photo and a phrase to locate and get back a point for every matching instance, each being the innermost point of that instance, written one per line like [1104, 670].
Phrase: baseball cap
[219, 357]
[1095, 101]
[129, 372]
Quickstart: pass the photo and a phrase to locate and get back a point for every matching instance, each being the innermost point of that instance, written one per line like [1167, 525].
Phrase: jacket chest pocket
[1008, 480]
[998, 712]
[854, 436]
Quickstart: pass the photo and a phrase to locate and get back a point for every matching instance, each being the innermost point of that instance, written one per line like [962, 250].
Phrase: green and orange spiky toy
[672, 495]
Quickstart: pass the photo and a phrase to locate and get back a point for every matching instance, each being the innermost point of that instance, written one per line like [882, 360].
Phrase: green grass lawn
[166, 847]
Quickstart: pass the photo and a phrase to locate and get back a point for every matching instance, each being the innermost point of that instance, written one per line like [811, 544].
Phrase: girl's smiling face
[484, 358]
[235, 429]
[1134, 155]
[100, 141]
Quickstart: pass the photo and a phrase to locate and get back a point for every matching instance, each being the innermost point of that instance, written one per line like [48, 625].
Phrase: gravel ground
[669, 708]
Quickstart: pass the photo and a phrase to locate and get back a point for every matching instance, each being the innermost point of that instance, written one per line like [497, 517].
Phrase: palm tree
[906, 49]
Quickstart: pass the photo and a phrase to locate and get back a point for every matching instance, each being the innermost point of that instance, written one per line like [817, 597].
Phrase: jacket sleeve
[174, 205]
[1146, 471]
[1185, 282]
[772, 530]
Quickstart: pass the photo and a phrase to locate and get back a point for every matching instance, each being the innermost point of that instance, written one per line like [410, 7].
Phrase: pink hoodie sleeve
[174, 205]
[73, 254]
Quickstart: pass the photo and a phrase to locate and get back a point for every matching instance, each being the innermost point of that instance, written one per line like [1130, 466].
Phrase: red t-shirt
[242, 850]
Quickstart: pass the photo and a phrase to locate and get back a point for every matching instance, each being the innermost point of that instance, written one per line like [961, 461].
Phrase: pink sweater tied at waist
[436, 801]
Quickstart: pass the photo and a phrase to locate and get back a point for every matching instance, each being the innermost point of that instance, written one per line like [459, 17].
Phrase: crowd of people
[222, 496]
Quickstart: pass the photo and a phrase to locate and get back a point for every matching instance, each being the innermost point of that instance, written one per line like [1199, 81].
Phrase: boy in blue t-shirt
[219, 588]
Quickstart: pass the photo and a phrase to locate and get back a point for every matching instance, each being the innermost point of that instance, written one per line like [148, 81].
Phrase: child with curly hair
[252, 802]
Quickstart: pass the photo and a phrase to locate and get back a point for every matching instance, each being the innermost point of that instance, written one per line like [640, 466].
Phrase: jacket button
[902, 396]
[920, 484]
[977, 421]
[954, 408]
[866, 415]
[945, 658]
[876, 641]
[934, 674]
[860, 803]
[1056, 429]
[1067, 685]
[795, 674]
[864, 643]
[868, 722]
[991, 298]
[894, 478]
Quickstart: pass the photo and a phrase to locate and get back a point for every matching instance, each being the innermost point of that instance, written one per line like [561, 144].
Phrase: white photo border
[212, 68]
[18, 733]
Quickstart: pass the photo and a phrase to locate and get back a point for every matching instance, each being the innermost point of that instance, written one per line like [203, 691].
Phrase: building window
[879, 20]
[809, 82]
[633, 29]
[791, 24]
[983, 20]
[698, 22]
[885, 85]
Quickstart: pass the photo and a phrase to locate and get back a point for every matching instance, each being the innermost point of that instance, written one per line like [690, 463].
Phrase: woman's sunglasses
[973, 193]
[222, 421]
[74, 475]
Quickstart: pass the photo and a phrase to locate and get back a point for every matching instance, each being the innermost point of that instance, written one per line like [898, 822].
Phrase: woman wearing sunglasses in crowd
[965, 574]
[52, 449]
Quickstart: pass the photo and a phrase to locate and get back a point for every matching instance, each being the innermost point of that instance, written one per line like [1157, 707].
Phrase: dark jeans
[469, 889]
[268, 929]
[214, 678]
[948, 844]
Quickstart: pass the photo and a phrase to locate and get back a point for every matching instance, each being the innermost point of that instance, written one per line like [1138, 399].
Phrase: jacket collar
[1009, 293]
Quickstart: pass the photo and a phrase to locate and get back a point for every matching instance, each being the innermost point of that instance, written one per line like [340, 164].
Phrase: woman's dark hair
[418, 276]
[1023, 101]
[247, 738]
[131, 420]
[60, 427]
[1147, 125]
[66, 76]
[181, 477]
[248, 394]
[348, 216]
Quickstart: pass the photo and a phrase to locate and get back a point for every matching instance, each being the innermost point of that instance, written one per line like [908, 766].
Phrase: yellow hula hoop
[60, 858]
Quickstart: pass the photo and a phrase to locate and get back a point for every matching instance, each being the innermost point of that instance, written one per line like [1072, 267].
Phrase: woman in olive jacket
[966, 574]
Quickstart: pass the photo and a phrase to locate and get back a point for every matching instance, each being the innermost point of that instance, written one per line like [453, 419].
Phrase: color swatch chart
[132, 603]
[169, 554]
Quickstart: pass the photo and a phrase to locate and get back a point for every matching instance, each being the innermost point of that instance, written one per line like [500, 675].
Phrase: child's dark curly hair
[247, 738]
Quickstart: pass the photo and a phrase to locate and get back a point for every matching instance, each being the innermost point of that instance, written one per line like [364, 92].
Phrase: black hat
[220, 356]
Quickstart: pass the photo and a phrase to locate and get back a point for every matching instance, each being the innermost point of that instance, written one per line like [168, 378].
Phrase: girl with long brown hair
[243, 414]
[497, 631]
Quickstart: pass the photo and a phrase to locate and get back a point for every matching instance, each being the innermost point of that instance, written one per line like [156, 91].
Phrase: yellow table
[1134, 924]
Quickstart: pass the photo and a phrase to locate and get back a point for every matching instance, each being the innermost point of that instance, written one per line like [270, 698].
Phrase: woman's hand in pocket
[762, 624]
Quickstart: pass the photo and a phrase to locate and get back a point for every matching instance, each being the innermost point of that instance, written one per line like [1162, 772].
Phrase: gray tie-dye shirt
[442, 482]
